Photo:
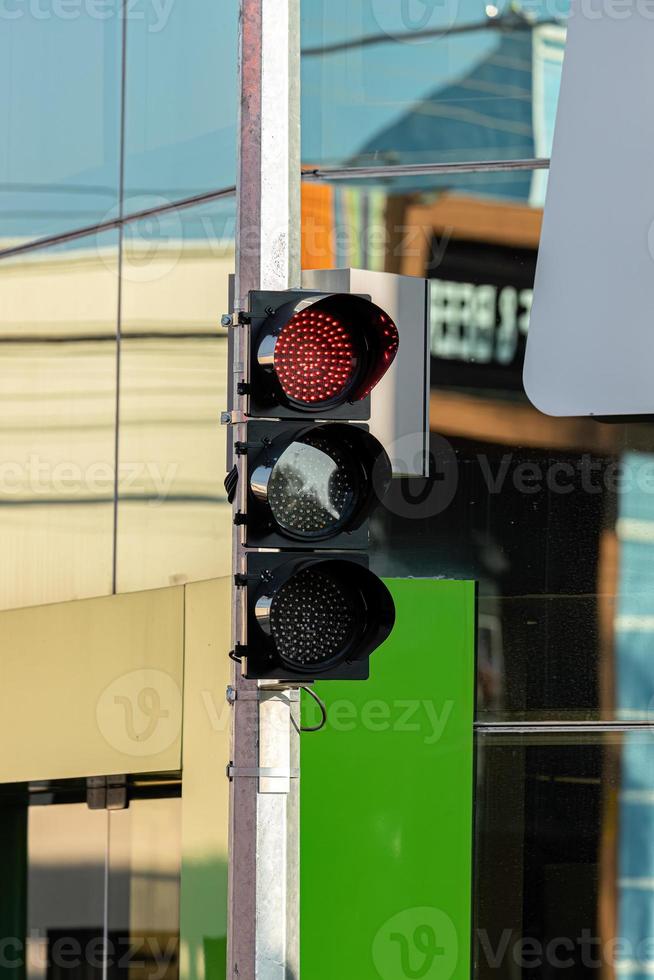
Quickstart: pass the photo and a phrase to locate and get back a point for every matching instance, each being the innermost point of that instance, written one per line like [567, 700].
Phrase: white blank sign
[590, 348]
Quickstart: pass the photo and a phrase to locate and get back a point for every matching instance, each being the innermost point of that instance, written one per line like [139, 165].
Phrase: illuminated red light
[314, 357]
[390, 343]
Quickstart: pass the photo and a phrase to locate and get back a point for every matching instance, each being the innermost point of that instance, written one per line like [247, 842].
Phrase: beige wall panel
[92, 687]
[175, 285]
[59, 291]
[174, 522]
[58, 321]
[205, 800]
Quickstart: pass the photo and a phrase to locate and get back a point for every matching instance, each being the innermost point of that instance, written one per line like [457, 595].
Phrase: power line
[507, 22]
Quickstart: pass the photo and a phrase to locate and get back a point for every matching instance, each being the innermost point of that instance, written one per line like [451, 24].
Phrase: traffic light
[317, 354]
[314, 474]
[312, 486]
[317, 617]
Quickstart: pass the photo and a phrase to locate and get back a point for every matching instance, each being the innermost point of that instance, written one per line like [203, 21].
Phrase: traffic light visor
[324, 351]
[320, 480]
[319, 614]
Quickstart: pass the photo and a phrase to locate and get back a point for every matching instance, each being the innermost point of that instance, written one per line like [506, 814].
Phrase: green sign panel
[387, 801]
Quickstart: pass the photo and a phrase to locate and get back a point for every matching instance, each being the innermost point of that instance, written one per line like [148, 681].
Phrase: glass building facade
[117, 237]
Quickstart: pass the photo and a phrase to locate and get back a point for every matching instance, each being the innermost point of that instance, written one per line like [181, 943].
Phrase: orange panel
[317, 227]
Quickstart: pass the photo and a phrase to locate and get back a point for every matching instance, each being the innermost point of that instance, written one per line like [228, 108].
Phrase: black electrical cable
[323, 712]
[231, 482]
[511, 20]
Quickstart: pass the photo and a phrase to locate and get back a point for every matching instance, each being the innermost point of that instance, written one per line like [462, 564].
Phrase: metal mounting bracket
[261, 772]
[107, 793]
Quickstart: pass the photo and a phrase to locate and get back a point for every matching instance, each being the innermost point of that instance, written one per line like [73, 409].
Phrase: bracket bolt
[226, 320]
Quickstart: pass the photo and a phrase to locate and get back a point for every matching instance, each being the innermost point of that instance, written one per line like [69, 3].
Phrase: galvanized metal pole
[263, 930]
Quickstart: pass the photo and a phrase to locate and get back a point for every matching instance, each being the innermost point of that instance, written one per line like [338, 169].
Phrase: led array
[311, 619]
[312, 487]
[314, 357]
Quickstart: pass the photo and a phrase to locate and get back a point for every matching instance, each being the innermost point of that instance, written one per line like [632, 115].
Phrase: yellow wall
[58, 383]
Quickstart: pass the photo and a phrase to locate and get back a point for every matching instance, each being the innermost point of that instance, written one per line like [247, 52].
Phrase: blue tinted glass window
[416, 82]
[181, 100]
[59, 116]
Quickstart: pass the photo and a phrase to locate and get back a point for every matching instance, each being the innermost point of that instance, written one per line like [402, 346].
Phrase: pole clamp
[291, 695]
[260, 772]
[233, 695]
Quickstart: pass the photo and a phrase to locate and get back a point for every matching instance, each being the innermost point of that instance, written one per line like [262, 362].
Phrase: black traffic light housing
[312, 485]
[316, 354]
[315, 617]
[314, 474]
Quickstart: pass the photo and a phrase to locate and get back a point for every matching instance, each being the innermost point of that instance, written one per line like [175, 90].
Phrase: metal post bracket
[261, 772]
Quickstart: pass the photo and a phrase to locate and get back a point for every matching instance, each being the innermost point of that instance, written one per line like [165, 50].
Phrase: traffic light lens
[312, 620]
[313, 488]
[315, 358]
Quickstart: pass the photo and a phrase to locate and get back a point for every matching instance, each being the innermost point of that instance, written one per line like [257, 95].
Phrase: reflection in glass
[59, 167]
[181, 101]
[143, 886]
[381, 85]
[66, 854]
[634, 615]
[174, 522]
[565, 610]
[564, 859]
[89, 894]
[311, 489]
[58, 379]
[413, 225]
[550, 516]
